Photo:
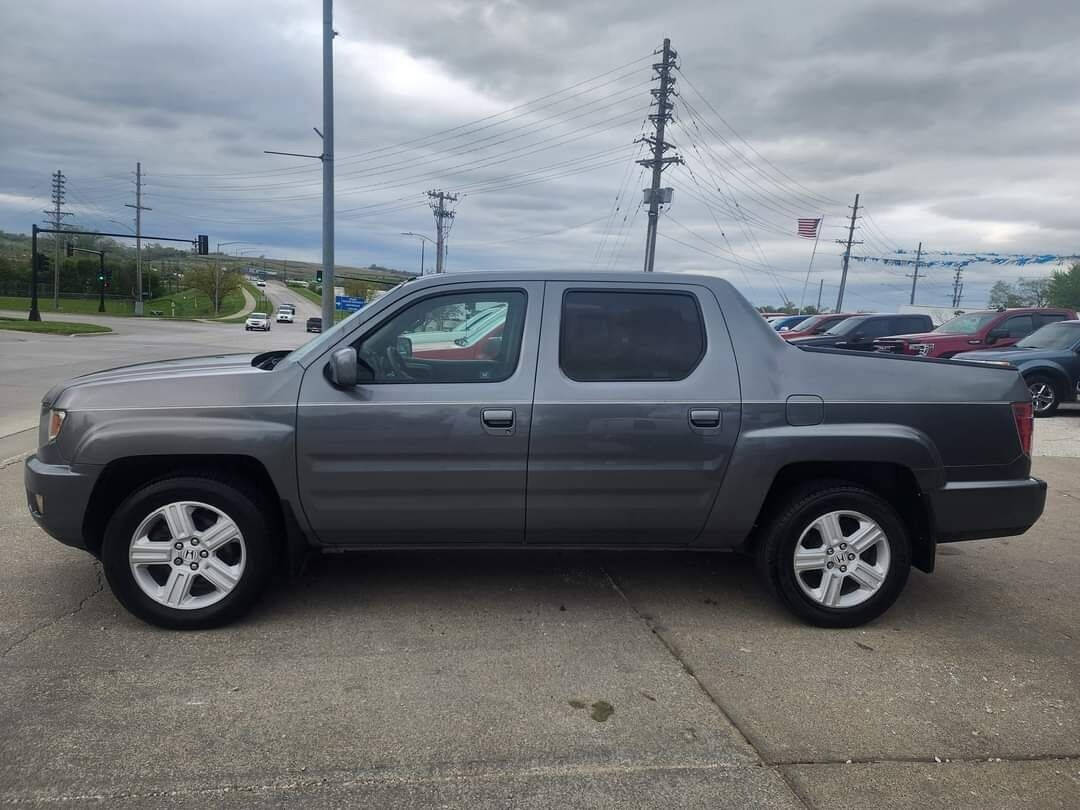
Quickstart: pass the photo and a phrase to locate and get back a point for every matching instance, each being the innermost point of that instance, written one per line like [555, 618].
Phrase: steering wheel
[396, 363]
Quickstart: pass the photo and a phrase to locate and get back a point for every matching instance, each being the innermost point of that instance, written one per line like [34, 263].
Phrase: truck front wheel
[188, 552]
[836, 554]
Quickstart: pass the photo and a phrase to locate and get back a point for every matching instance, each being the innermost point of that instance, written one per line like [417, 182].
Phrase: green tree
[1034, 291]
[1063, 289]
[1003, 294]
[213, 282]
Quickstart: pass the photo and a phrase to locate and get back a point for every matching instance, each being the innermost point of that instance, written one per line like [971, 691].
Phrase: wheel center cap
[190, 554]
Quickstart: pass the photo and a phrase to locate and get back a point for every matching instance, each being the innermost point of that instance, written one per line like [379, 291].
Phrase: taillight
[1024, 416]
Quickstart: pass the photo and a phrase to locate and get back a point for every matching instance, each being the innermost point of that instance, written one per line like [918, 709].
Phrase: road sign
[347, 303]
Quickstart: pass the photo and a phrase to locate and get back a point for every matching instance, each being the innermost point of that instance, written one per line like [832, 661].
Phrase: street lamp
[423, 240]
[72, 250]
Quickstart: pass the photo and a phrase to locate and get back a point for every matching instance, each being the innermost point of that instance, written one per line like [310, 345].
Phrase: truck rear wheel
[188, 552]
[836, 555]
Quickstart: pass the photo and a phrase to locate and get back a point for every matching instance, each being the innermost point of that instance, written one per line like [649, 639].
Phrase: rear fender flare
[760, 455]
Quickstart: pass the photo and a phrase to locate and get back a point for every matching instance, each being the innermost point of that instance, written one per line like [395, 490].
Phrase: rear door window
[611, 335]
[1018, 326]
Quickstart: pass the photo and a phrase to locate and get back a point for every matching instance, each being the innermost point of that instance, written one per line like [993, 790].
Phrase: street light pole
[423, 240]
[328, 165]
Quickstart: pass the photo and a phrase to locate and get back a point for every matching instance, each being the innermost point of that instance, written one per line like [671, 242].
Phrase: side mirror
[994, 335]
[343, 368]
[404, 346]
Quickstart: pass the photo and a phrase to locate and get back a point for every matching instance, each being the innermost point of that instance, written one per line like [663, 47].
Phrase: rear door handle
[705, 417]
[498, 417]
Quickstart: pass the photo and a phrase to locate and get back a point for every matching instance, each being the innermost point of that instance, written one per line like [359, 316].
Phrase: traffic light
[204, 245]
[318, 276]
[69, 248]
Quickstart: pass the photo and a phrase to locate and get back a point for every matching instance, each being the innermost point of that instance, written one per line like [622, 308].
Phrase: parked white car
[257, 320]
[285, 315]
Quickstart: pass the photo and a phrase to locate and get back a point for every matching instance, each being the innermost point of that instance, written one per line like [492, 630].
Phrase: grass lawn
[193, 304]
[189, 304]
[83, 306]
[52, 327]
[262, 303]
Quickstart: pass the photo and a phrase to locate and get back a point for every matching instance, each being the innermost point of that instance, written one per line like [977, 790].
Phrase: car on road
[257, 320]
[787, 322]
[974, 331]
[858, 332]
[314, 324]
[260, 283]
[618, 411]
[476, 337]
[285, 314]
[1048, 360]
[815, 325]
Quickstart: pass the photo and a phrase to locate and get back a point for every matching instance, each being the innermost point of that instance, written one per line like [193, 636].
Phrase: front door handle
[498, 417]
[705, 417]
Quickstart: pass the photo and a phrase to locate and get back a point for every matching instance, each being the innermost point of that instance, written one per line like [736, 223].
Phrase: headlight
[56, 421]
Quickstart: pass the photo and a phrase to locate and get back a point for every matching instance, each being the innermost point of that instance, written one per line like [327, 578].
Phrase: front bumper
[971, 510]
[58, 495]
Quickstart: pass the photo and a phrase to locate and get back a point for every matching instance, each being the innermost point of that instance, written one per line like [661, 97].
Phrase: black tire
[1051, 387]
[793, 514]
[252, 516]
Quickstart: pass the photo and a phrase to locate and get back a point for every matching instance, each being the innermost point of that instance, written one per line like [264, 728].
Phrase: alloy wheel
[841, 559]
[187, 555]
[1042, 396]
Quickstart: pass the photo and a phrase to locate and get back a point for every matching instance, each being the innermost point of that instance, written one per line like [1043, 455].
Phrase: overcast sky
[958, 122]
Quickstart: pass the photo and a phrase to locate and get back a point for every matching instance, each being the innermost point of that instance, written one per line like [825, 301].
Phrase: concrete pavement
[480, 680]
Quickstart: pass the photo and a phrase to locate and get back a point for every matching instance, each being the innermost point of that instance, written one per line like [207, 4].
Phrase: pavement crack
[98, 588]
[675, 653]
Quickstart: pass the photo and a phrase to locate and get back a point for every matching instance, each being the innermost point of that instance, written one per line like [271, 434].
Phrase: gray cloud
[957, 122]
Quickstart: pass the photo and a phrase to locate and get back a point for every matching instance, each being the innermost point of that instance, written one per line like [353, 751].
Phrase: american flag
[808, 227]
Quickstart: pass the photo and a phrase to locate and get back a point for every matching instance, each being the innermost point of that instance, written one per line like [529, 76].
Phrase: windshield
[966, 324]
[810, 323]
[1054, 336]
[258, 314]
[846, 326]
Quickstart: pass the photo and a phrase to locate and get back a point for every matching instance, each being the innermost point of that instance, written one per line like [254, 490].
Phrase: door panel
[420, 462]
[629, 461]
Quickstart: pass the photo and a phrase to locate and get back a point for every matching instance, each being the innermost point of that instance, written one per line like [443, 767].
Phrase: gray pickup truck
[542, 410]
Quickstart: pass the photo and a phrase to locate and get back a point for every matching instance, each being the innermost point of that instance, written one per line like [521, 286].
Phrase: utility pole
[654, 195]
[328, 164]
[957, 287]
[847, 254]
[915, 274]
[57, 215]
[139, 208]
[820, 289]
[444, 218]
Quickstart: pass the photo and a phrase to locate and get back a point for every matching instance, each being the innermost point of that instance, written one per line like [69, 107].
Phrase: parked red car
[972, 331]
[816, 325]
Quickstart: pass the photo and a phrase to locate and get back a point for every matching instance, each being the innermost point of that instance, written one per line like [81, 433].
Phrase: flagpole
[802, 300]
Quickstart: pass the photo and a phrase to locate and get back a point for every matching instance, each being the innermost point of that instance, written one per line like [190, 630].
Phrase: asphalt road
[534, 679]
